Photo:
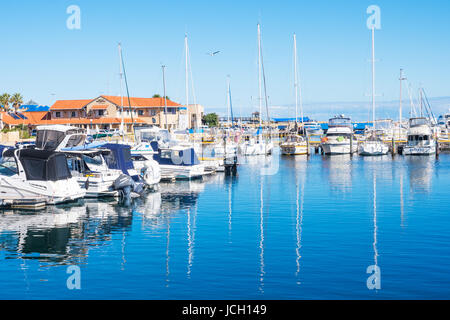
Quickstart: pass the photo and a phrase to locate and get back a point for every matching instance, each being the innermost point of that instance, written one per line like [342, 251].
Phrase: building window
[152, 113]
[172, 110]
[58, 114]
[73, 114]
[141, 112]
[101, 113]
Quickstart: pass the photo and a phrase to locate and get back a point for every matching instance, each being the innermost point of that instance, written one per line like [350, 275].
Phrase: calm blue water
[308, 232]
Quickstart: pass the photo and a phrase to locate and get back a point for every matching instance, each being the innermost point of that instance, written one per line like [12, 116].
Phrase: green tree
[16, 100]
[211, 120]
[156, 96]
[4, 100]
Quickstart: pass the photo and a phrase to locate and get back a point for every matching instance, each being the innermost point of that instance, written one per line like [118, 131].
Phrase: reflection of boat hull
[339, 148]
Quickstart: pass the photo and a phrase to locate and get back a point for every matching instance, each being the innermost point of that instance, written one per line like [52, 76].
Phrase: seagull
[212, 54]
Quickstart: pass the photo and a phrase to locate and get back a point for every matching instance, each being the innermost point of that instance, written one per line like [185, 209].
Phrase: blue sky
[41, 57]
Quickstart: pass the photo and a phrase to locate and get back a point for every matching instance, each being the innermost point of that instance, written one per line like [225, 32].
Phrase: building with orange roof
[107, 112]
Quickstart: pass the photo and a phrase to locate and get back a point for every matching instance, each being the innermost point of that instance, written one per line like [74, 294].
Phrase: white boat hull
[13, 189]
[296, 149]
[373, 149]
[339, 148]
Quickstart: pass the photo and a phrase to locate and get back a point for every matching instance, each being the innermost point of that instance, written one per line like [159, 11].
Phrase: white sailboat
[257, 145]
[373, 146]
[295, 144]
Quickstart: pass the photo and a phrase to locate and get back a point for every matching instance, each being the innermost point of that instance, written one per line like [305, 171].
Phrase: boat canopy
[50, 139]
[41, 165]
[119, 158]
[177, 157]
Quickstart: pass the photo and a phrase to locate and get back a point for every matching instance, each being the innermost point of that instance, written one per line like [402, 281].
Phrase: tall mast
[296, 79]
[259, 75]
[228, 100]
[298, 88]
[187, 69]
[121, 87]
[165, 97]
[373, 76]
[401, 92]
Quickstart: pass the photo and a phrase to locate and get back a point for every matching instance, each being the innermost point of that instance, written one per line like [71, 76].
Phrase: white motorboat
[93, 174]
[420, 138]
[59, 137]
[30, 177]
[339, 138]
[294, 145]
[179, 163]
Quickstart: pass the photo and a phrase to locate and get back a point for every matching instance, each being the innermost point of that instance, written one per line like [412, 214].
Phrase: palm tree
[16, 101]
[4, 101]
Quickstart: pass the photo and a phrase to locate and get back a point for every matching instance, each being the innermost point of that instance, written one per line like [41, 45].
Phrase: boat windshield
[75, 140]
[149, 136]
[418, 122]
[8, 166]
[340, 122]
[49, 139]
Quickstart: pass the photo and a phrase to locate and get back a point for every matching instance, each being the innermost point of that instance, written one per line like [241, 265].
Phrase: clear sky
[44, 60]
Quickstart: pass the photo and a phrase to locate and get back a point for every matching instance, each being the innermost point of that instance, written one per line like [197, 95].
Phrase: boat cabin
[177, 157]
[36, 165]
[58, 137]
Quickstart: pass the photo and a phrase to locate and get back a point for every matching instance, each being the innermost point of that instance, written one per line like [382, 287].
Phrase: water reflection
[339, 171]
[420, 170]
[64, 234]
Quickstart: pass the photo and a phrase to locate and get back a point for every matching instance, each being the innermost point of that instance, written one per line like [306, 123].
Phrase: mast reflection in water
[309, 231]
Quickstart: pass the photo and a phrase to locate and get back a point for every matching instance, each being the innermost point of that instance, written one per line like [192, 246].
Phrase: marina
[184, 157]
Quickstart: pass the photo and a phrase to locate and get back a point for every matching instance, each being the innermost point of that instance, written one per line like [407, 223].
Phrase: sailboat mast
[121, 87]
[259, 75]
[187, 69]
[373, 76]
[400, 109]
[296, 79]
[228, 101]
[165, 97]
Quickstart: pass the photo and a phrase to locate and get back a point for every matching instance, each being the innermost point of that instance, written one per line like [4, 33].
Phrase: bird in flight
[212, 54]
